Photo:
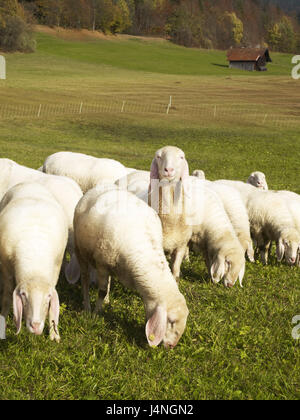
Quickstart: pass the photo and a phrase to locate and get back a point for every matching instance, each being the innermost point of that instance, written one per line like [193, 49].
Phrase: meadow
[238, 342]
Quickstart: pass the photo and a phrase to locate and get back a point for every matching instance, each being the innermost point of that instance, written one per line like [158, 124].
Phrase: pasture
[238, 342]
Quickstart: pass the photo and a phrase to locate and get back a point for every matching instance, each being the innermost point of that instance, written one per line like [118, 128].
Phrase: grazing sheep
[237, 214]
[271, 220]
[136, 182]
[33, 238]
[86, 170]
[65, 190]
[215, 237]
[258, 180]
[199, 173]
[168, 175]
[243, 188]
[118, 233]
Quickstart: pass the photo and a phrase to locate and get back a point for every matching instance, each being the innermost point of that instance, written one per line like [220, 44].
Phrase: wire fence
[205, 112]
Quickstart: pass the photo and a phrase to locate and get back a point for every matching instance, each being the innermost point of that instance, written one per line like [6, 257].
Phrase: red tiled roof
[246, 54]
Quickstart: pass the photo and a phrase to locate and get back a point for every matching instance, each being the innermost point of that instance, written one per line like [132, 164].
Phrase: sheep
[169, 174]
[86, 170]
[243, 188]
[215, 237]
[33, 238]
[271, 220]
[136, 182]
[199, 173]
[237, 213]
[66, 191]
[118, 233]
[258, 180]
[293, 203]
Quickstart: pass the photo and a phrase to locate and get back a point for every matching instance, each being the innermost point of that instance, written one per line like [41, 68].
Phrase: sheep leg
[7, 291]
[85, 284]
[264, 251]
[187, 254]
[176, 261]
[104, 281]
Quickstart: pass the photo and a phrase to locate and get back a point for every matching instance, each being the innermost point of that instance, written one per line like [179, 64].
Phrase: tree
[281, 36]
[15, 30]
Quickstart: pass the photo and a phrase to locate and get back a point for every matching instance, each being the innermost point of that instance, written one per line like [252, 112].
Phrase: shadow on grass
[220, 65]
[131, 328]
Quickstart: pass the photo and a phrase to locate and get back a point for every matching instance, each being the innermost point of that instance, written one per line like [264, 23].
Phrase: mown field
[238, 343]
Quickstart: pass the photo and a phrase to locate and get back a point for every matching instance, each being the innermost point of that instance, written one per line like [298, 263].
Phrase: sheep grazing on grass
[117, 233]
[136, 182]
[33, 238]
[65, 190]
[258, 180]
[87, 171]
[215, 237]
[237, 214]
[271, 220]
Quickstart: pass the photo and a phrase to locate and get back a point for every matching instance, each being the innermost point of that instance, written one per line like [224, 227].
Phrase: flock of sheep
[116, 220]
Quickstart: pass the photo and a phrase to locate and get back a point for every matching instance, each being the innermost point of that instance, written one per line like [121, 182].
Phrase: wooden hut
[249, 58]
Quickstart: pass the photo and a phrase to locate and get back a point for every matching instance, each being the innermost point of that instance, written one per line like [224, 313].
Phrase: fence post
[265, 117]
[123, 105]
[169, 104]
[39, 111]
[215, 111]
[80, 109]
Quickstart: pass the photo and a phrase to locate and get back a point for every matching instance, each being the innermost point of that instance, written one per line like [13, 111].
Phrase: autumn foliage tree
[15, 28]
[199, 23]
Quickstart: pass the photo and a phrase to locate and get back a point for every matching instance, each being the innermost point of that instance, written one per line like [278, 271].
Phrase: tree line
[208, 24]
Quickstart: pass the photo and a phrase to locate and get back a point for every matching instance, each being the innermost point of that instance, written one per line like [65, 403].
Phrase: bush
[16, 35]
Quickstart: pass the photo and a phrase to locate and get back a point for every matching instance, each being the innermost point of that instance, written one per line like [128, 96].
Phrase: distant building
[249, 58]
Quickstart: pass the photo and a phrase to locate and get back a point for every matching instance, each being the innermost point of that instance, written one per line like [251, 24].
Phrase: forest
[209, 24]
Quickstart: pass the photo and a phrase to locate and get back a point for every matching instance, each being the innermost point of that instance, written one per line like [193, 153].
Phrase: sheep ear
[185, 172]
[217, 270]
[154, 170]
[156, 326]
[280, 250]
[72, 270]
[18, 309]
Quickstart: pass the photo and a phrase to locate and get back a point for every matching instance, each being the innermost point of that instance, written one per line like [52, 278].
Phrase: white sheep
[237, 213]
[136, 182]
[169, 174]
[258, 180]
[33, 238]
[271, 220]
[86, 170]
[66, 191]
[118, 233]
[215, 237]
[199, 173]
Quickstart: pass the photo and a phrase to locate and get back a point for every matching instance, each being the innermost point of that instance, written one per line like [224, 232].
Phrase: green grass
[238, 342]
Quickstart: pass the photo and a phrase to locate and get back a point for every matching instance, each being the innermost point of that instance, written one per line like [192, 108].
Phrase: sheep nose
[169, 171]
[292, 260]
[36, 327]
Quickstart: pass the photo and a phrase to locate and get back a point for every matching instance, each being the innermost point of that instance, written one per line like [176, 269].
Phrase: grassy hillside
[238, 342]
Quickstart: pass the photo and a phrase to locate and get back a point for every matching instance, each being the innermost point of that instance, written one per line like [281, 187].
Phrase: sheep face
[36, 302]
[167, 325]
[288, 246]
[169, 164]
[258, 180]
